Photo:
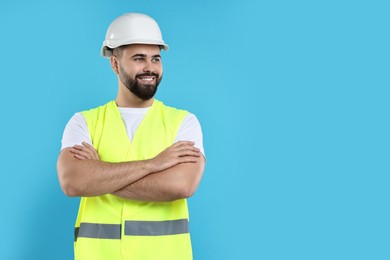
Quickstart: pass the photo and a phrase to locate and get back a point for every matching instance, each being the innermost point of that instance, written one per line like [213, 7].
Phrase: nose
[149, 66]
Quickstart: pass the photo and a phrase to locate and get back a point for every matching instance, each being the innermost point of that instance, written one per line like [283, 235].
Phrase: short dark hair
[118, 51]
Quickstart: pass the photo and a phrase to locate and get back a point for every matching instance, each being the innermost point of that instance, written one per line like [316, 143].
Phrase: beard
[141, 90]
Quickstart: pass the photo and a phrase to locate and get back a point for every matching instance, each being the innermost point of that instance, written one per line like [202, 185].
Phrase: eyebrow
[144, 55]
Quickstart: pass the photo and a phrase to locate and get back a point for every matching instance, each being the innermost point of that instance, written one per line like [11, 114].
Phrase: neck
[126, 98]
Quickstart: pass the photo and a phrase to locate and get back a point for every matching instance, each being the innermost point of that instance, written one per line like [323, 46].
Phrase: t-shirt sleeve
[76, 132]
[190, 130]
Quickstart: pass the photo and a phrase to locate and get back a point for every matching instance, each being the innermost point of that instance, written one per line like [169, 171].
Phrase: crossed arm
[173, 174]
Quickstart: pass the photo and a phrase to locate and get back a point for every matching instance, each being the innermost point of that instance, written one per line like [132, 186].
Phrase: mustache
[148, 74]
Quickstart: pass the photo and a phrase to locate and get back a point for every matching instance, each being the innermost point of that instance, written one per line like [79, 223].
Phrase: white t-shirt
[76, 131]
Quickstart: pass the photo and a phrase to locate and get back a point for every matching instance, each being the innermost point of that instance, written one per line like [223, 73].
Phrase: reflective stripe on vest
[93, 230]
[132, 228]
[156, 228]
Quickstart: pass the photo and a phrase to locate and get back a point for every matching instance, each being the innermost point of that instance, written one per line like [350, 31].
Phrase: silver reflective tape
[93, 230]
[156, 228]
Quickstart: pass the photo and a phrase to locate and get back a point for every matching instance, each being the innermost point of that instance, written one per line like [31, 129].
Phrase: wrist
[149, 166]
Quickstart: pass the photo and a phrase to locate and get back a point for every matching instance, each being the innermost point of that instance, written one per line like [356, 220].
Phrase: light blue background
[293, 97]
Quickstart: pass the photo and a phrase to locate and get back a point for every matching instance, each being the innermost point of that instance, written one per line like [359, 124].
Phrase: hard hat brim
[107, 48]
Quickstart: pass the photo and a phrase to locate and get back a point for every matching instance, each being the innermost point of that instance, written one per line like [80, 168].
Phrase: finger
[95, 156]
[88, 145]
[74, 151]
[87, 149]
[79, 157]
[81, 153]
[192, 149]
[183, 143]
[91, 150]
[183, 147]
[194, 153]
[84, 151]
[79, 147]
[188, 159]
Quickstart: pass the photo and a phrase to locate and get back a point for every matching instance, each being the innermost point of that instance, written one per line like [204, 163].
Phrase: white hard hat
[132, 28]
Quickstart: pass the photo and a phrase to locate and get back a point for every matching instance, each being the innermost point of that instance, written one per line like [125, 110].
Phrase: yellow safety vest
[111, 228]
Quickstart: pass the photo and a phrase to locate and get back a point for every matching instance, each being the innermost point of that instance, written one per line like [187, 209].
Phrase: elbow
[187, 190]
[70, 191]
[71, 175]
[189, 185]
[68, 188]
[68, 184]
[187, 194]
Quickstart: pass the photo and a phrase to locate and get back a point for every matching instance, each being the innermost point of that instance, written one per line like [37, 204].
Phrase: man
[134, 160]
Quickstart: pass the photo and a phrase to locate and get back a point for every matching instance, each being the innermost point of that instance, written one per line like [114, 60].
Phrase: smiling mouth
[147, 79]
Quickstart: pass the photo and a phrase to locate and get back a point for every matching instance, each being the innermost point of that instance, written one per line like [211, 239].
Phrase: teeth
[147, 79]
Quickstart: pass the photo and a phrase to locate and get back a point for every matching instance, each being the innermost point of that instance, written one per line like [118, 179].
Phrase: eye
[156, 59]
[139, 59]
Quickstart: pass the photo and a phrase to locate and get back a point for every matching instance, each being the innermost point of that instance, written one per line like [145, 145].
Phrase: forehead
[145, 49]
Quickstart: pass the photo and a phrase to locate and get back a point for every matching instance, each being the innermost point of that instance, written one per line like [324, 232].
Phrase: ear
[114, 64]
